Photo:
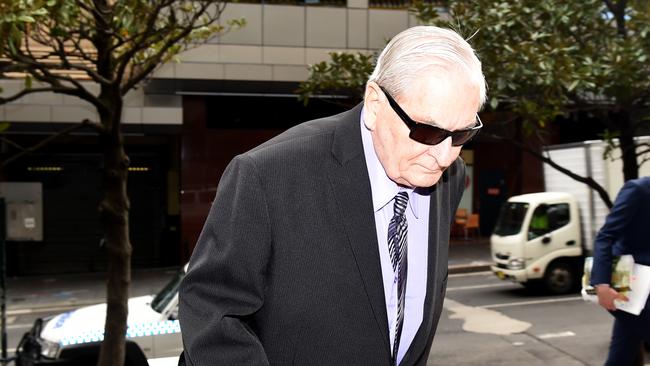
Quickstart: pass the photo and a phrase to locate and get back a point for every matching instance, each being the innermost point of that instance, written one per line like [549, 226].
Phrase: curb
[52, 307]
[468, 268]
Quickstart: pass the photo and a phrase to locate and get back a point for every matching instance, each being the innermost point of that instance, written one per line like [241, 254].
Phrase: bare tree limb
[12, 143]
[96, 126]
[24, 92]
[586, 180]
[67, 65]
[43, 73]
[87, 8]
[643, 152]
[618, 10]
[644, 161]
[610, 5]
[155, 59]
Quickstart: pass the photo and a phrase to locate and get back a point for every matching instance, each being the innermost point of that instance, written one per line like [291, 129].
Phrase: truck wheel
[533, 285]
[560, 278]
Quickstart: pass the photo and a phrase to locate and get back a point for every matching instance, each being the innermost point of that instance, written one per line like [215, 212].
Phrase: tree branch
[140, 44]
[586, 180]
[67, 65]
[42, 73]
[96, 126]
[24, 92]
[644, 161]
[90, 10]
[12, 143]
[618, 10]
[156, 59]
[610, 5]
[643, 152]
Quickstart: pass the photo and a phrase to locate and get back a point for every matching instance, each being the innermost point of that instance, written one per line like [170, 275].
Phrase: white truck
[74, 337]
[540, 239]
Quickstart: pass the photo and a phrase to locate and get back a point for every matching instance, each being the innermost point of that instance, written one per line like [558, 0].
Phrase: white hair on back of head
[416, 49]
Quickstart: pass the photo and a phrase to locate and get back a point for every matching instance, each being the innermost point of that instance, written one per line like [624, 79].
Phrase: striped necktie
[397, 235]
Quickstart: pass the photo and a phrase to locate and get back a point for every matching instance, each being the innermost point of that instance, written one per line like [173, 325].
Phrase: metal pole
[3, 280]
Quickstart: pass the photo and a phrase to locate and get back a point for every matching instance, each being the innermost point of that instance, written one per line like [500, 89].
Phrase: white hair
[412, 51]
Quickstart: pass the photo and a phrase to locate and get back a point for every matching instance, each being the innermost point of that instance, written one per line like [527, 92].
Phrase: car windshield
[168, 292]
[511, 218]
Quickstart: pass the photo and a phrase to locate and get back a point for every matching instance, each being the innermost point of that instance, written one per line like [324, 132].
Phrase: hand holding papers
[628, 278]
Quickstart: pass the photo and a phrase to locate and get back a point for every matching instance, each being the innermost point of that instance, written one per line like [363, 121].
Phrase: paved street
[491, 322]
[32, 297]
[486, 321]
[557, 330]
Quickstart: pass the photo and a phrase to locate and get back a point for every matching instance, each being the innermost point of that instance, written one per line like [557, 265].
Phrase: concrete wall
[50, 107]
[278, 43]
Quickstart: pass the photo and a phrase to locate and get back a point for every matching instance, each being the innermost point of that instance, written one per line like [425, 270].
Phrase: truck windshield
[168, 292]
[511, 218]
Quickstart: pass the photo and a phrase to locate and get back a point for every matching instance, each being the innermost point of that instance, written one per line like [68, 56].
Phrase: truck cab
[537, 242]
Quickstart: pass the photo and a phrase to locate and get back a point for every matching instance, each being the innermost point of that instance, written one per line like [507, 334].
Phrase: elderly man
[327, 245]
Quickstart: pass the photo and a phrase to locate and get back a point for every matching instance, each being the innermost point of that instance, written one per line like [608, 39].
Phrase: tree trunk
[114, 210]
[628, 147]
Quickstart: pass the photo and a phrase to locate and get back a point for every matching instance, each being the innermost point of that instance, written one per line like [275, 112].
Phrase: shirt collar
[383, 188]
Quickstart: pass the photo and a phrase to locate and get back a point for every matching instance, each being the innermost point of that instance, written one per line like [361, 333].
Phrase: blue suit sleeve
[625, 207]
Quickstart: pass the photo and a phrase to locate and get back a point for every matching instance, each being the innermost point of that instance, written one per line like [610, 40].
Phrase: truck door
[549, 230]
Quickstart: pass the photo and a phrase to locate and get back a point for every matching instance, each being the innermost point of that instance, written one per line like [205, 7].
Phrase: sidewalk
[75, 290]
[471, 255]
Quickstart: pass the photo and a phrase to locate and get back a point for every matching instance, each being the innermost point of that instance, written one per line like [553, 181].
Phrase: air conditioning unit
[23, 210]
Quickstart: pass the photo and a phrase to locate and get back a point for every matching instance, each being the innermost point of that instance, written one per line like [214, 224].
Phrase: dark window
[511, 218]
[547, 218]
[168, 292]
[271, 112]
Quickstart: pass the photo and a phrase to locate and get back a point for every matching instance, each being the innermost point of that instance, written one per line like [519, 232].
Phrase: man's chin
[424, 181]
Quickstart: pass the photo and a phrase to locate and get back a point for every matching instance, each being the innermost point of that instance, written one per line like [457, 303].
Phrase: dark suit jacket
[287, 269]
[626, 230]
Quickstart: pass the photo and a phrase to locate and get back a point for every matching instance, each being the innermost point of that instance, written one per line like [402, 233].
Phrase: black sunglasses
[432, 135]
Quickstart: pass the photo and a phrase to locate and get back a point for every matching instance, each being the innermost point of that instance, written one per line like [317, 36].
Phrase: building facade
[183, 127]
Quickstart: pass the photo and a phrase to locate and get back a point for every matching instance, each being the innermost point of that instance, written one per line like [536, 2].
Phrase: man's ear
[372, 103]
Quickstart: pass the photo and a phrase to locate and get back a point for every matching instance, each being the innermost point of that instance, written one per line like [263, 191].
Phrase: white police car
[74, 336]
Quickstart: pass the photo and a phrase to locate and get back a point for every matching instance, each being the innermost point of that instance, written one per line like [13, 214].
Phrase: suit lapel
[351, 186]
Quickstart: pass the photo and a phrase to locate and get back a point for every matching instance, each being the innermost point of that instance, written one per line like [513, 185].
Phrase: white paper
[639, 291]
[621, 279]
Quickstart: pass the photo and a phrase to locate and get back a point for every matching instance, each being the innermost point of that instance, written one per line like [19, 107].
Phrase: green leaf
[4, 126]
[573, 85]
[26, 19]
[494, 103]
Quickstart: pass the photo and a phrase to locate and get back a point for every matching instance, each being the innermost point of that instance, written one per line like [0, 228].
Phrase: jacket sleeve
[625, 207]
[224, 284]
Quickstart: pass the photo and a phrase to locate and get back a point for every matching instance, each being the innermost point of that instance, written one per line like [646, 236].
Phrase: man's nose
[443, 152]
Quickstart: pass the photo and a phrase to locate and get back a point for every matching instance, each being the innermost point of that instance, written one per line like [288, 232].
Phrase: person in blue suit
[626, 231]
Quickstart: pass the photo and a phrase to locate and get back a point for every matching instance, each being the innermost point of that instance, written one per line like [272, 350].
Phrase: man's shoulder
[644, 182]
[637, 185]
